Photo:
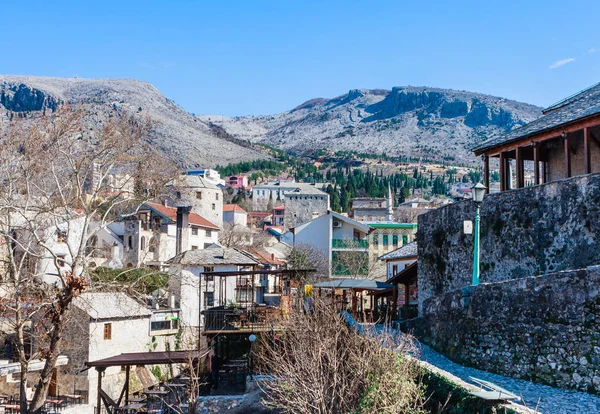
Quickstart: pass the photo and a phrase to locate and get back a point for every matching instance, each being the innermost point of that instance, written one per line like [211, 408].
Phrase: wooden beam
[586, 151]
[486, 173]
[543, 136]
[395, 304]
[502, 172]
[544, 172]
[567, 156]
[99, 391]
[536, 163]
[520, 168]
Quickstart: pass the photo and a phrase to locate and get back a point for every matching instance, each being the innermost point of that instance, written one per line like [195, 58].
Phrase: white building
[235, 215]
[341, 242]
[103, 325]
[195, 292]
[397, 260]
[210, 175]
[273, 191]
[150, 237]
[205, 197]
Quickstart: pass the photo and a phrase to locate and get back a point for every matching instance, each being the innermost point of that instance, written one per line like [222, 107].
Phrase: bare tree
[56, 178]
[318, 364]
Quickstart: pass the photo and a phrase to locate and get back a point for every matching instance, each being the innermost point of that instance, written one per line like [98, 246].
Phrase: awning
[357, 284]
[148, 358]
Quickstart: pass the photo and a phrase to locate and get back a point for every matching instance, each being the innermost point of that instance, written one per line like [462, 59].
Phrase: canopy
[359, 284]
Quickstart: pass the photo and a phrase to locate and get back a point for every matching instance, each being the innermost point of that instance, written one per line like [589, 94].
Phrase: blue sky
[262, 57]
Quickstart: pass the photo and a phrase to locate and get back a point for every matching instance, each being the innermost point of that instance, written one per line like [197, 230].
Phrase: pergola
[354, 286]
[136, 359]
[406, 277]
[568, 128]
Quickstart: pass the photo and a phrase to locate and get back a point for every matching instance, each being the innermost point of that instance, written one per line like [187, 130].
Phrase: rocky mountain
[188, 140]
[417, 121]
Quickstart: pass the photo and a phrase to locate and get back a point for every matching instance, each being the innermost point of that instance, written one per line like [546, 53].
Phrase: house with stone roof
[235, 215]
[195, 292]
[151, 235]
[564, 142]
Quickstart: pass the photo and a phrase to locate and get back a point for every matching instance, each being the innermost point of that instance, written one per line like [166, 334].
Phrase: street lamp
[477, 191]
[251, 338]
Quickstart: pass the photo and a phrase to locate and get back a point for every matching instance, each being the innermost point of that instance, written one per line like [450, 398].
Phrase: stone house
[195, 292]
[341, 243]
[150, 237]
[104, 324]
[303, 201]
[203, 195]
[564, 142]
[235, 215]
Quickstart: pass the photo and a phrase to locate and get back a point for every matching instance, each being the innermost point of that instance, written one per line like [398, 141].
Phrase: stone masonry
[542, 328]
[530, 231]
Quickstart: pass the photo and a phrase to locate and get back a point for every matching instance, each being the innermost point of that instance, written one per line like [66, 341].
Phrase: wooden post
[395, 304]
[508, 169]
[99, 396]
[536, 163]
[127, 368]
[544, 172]
[567, 156]
[520, 168]
[502, 172]
[586, 151]
[486, 173]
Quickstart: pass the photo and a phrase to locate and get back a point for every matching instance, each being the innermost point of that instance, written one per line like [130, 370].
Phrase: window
[143, 243]
[385, 240]
[216, 196]
[152, 245]
[199, 195]
[404, 239]
[194, 231]
[107, 331]
[208, 233]
[375, 238]
[394, 270]
[208, 269]
[194, 247]
[395, 240]
[209, 299]
[214, 206]
[178, 194]
[60, 260]
[130, 242]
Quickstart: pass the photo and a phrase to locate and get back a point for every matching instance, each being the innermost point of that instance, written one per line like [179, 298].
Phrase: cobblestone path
[544, 399]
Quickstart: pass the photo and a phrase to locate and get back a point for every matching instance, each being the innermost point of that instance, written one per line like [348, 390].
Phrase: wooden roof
[580, 107]
[148, 358]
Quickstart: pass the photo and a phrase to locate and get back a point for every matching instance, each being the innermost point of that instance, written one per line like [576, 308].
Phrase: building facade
[204, 196]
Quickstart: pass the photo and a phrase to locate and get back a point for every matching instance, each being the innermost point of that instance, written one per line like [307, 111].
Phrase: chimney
[183, 221]
[225, 253]
[272, 256]
[172, 301]
[165, 202]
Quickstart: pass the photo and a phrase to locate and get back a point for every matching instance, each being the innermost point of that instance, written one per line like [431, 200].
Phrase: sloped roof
[234, 208]
[578, 106]
[171, 212]
[407, 251]
[213, 256]
[110, 305]
[263, 256]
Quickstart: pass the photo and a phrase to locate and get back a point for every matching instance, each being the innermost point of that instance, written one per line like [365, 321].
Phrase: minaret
[389, 203]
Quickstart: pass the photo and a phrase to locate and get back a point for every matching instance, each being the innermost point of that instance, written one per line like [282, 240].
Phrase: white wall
[401, 266]
[46, 266]
[316, 233]
[128, 335]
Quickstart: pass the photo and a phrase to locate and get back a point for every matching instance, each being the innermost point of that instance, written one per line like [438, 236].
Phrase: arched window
[152, 245]
[143, 243]
[130, 242]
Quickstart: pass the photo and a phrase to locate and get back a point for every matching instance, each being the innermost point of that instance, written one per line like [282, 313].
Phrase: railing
[221, 319]
[350, 244]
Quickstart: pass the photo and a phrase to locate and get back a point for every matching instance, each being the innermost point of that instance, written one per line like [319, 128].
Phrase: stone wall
[542, 328]
[302, 208]
[535, 230]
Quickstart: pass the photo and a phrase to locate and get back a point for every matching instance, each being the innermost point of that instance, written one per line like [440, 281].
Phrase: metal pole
[476, 249]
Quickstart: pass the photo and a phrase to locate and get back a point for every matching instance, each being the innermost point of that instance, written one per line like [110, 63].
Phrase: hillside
[187, 140]
[416, 121]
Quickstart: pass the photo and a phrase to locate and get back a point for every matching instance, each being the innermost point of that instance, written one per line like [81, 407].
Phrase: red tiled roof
[264, 256]
[194, 219]
[258, 214]
[233, 207]
[279, 208]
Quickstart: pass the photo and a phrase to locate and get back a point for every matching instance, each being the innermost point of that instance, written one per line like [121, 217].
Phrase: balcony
[164, 322]
[354, 244]
[253, 319]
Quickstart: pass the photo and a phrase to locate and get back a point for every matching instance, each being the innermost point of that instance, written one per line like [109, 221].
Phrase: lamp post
[251, 338]
[477, 191]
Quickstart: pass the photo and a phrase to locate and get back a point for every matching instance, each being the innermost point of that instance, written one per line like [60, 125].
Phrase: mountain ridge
[187, 140]
[424, 121]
